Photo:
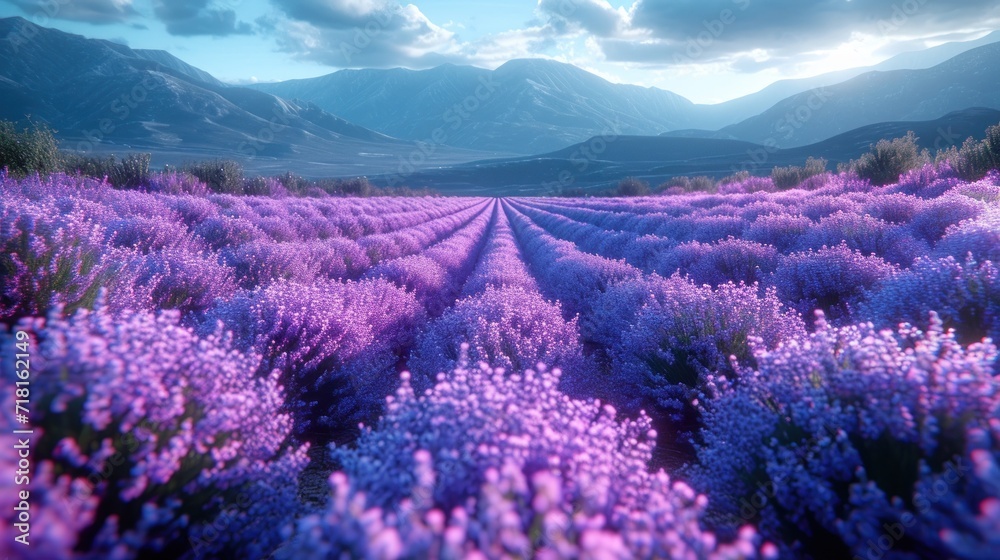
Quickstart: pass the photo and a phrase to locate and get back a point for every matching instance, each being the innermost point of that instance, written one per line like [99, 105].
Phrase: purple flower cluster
[964, 293]
[437, 274]
[196, 341]
[832, 279]
[335, 344]
[141, 427]
[491, 464]
[506, 327]
[852, 434]
[50, 254]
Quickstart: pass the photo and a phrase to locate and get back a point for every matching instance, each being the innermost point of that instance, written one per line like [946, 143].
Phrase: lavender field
[804, 373]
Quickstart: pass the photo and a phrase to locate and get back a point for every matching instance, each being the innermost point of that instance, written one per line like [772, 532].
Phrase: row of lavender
[68, 237]
[508, 462]
[821, 249]
[168, 463]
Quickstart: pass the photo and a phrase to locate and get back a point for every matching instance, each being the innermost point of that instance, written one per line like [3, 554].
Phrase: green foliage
[131, 172]
[221, 176]
[630, 186]
[738, 177]
[31, 150]
[889, 159]
[358, 186]
[294, 183]
[685, 184]
[792, 176]
[974, 159]
[259, 186]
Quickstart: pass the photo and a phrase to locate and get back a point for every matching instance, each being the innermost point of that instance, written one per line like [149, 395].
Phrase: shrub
[749, 185]
[831, 279]
[359, 186]
[495, 465]
[965, 294]
[264, 186]
[926, 182]
[335, 345]
[49, 257]
[631, 186]
[131, 172]
[975, 159]
[934, 217]
[782, 231]
[176, 182]
[980, 237]
[507, 327]
[31, 150]
[148, 234]
[221, 176]
[869, 235]
[790, 177]
[684, 184]
[681, 338]
[734, 260]
[187, 281]
[839, 437]
[144, 428]
[887, 160]
[738, 177]
[295, 184]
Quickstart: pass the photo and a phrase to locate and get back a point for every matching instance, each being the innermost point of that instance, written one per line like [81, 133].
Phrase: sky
[706, 50]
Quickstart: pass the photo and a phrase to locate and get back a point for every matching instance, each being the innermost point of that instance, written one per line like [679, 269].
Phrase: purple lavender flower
[836, 438]
[138, 421]
[490, 464]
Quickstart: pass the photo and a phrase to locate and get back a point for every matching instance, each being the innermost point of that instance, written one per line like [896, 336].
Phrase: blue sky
[706, 50]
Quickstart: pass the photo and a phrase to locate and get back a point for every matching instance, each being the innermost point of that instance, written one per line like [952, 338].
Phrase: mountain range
[470, 127]
[967, 80]
[730, 112]
[101, 96]
[600, 162]
[524, 106]
[534, 106]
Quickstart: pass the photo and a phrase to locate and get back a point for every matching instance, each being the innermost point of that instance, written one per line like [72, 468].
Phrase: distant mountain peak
[104, 96]
[528, 105]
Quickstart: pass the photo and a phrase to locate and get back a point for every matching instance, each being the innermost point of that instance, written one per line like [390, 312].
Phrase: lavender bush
[201, 351]
[143, 428]
[490, 464]
[841, 434]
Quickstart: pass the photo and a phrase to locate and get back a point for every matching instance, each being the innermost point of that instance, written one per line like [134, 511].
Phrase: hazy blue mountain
[600, 163]
[170, 61]
[525, 106]
[102, 96]
[713, 117]
[535, 105]
[967, 80]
